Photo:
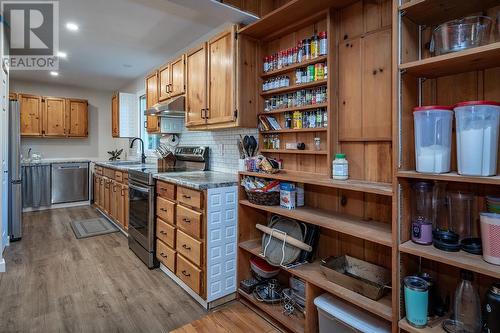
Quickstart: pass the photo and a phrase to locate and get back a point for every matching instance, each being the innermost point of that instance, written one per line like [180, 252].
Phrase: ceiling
[120, 40]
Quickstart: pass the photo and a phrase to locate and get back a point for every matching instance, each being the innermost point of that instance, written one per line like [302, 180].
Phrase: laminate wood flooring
[232, 318]
[57, 283]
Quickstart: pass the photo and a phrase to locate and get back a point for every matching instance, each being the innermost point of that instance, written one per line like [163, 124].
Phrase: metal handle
[201, 113]
[163, 209]
[186, 196]
[185, 273]
[162, 232]
[163, 255]
[186, 247]
[140, 189]
[207, 114]
[186, 220]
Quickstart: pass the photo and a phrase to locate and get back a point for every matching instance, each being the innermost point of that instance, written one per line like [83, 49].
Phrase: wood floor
[233, 318]
[56, 283]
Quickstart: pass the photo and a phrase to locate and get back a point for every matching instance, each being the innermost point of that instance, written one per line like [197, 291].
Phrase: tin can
[310, 73]
[319, 71]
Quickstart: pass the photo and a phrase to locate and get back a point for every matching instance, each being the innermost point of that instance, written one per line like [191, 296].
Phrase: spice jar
[300, 52]
[322, 43]
[319, 71]
[340, 167]
[307, 49]
[317, 144]
[297, 120]
[314, 47]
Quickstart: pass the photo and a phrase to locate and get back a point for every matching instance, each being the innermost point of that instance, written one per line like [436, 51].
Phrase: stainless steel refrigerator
[15, 181]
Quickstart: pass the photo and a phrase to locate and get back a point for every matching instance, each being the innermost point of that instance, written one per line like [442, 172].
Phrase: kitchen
[297, 166]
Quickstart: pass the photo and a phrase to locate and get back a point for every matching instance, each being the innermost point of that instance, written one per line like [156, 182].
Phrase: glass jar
[323, 46]
[314, 47]
[340, 167]
[317, 144]
[422, 213]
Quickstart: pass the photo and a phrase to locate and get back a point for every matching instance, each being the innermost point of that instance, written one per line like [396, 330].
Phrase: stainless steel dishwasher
[70, 182]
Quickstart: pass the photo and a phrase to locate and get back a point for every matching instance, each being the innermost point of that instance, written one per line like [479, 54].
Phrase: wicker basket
[264, 198]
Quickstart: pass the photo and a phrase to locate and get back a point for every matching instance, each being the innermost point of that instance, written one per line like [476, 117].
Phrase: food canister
[416, 292]
[490, 237]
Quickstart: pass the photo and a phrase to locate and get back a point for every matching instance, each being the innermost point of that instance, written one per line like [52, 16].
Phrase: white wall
[223, 150]
[99, 140]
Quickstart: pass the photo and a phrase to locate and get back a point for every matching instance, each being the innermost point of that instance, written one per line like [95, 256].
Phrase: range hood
[171, 108]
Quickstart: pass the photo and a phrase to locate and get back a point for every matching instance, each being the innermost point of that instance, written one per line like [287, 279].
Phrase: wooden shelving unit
[290, 68]
[294, 87]
[296, 130]
[425, 80]
[309, 178]
[298, 108]
[294, 151]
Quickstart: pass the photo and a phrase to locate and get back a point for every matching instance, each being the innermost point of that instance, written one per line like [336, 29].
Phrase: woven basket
[264, 198]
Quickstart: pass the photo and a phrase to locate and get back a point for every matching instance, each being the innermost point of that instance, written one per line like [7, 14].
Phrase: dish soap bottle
[340, 167]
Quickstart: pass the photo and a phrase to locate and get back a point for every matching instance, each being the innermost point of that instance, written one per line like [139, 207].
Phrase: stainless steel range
[141, 230]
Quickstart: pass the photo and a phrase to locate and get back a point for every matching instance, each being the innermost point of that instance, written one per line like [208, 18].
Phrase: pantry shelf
[372, 231]
[460, 259]
[403, 324]
[294, 151]
[295, 87]
[312, 273]
[315, 179]
[450, 177]
[293, 323]
[294, 66]
[298, 108]
[480, 57]
[296, 130]
[431, 12]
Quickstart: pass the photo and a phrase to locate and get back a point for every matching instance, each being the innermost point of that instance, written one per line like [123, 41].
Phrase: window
[151, 141]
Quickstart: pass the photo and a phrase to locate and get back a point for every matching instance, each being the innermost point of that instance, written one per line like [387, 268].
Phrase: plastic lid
[469, 103]
[432, 107]
[339, 155]
[263, 265]
[416, 283]
[322, 33]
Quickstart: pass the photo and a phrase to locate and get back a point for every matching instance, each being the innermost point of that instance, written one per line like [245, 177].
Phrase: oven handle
[140, 189]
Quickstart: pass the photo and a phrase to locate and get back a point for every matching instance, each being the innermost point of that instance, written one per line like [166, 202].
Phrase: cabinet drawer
[110, 173]
[189, 221]
[119, 176]
[189, 197]
[165, 255]
[165, 232]
[165, 210]
[98, 170]
[189, 274]
[189, 247]
[165, 190]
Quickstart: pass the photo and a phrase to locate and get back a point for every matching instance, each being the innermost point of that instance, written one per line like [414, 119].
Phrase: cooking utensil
[246, 145]
[269, 293]
[253, 145]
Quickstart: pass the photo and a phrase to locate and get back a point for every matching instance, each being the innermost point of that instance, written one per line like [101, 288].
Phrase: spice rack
[447, 79]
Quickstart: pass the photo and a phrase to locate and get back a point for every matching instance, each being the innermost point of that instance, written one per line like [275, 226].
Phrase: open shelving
[294, 151]
[294, 87]
[296, 130]
[297, 108]
[450, 177]
[290, 68]
[403, 324]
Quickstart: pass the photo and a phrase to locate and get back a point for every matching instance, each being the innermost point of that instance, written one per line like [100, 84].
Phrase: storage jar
[433, 138]
[490, 237]
[340, 167]
[477, 125]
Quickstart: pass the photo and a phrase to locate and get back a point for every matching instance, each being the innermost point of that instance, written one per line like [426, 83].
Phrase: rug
[92, 227]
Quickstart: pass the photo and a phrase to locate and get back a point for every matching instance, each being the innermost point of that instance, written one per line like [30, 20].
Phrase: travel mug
[416, 291]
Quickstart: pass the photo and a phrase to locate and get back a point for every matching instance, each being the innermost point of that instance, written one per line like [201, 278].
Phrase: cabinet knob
[163, 255]
[186, 247]
[186, 220]
[162, 232]
[185, 273]
[185, 196]
[163, 209]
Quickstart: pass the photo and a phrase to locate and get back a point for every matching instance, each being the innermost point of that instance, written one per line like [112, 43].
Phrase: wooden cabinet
[107, 193]
[125, 207]
[111, 194]
[97, 189]
[115, 116]
[54, 116]
[77, 117]
[152, 122]
[178, 77]
[189, 274]
[221, 84]
[164, 75]
[196, 91]
[30, 107]
[102, 184]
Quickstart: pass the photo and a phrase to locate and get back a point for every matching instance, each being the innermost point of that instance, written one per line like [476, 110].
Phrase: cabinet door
[77, 118]
[115, 116]
[96, 190]
[112, 200]
[152, 123]
[126, 208]
[31, 115]
[54, 117]
[177, 81]
[107, 192]
[196, 86]
[221, 77]
[164, 83]
[102, 191]
[121, 206]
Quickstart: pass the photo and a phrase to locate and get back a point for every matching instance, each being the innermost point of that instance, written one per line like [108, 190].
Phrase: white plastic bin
[477, 137]
[338, 316]
[433, 138]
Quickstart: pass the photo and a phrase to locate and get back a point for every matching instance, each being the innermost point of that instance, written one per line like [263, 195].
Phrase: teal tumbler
[416, 292]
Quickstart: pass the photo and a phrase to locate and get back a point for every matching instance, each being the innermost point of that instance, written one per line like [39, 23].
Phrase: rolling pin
[289, 240]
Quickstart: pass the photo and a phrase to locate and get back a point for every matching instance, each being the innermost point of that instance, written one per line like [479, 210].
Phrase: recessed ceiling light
[72, 26]
[62, 54]
[54, 73]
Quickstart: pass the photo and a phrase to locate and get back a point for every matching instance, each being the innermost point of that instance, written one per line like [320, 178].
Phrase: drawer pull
[186, 247]
[163, 209]
[163, 232]
[163, 255]
[186, 220]
[185, 273]
[185, 196]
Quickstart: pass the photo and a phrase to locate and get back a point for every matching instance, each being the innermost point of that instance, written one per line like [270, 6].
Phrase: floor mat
[92, 227]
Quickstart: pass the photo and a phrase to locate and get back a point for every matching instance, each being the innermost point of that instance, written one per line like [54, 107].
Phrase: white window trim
[142, 129]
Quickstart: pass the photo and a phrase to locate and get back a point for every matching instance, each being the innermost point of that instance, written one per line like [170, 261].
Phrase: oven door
[141, 214]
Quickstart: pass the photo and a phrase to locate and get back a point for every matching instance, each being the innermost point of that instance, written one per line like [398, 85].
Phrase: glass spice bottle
[307, 49]
[314, 47]
[300, 52]
[323, 43]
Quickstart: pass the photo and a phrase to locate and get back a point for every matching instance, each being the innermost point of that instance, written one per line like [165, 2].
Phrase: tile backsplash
[224, 153]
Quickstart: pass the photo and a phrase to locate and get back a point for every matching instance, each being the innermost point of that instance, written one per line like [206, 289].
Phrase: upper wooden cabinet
[54, 116]
[124, 115]
[221, 85]
[164, 75]
[77, 117]
[178, 77]
[152, 122]
[30, 107]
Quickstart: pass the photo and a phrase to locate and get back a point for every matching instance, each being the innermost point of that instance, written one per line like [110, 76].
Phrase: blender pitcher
[422, 213]
[460, 214]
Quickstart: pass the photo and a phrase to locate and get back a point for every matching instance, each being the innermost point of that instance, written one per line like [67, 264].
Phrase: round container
[340, 167]
[477, 126]
[490, 237]
[416, 291]
[457, 35]
[460, 206]
[433, 138]
[492, 309]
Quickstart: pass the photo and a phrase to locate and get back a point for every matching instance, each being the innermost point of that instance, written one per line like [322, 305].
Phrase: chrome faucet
[143, 157]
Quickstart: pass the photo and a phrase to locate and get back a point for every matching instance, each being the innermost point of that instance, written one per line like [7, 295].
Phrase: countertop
[131, 165]
[50, 161]
[199, 180]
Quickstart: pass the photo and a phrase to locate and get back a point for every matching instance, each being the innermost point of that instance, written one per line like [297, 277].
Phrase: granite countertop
[50, 161]
[129, 165]
[199, 180]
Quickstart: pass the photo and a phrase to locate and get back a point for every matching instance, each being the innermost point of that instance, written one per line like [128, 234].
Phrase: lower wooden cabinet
[111, 194]
[166, 255]
[189, 274]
